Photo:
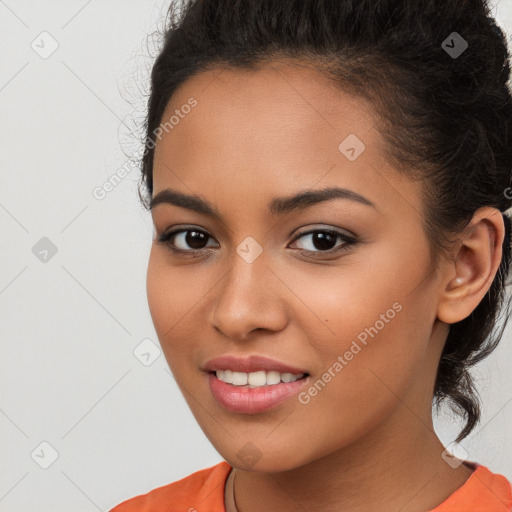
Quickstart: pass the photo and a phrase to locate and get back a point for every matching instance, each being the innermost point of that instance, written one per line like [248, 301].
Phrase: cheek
[376, 299]
[175, 298]
[172, 293]
[165, 301]
[371, 339]
[158, 287]
[347, 304]
[360, 384]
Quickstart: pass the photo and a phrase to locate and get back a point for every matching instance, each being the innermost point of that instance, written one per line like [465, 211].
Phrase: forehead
[269, 129]
[284, 109]
[286, 94]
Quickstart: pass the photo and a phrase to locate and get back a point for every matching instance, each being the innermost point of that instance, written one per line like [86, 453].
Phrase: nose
[250, 297]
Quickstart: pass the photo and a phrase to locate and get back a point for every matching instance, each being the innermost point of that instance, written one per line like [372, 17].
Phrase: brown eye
[185, 240]
[324, 241]
[317, 242]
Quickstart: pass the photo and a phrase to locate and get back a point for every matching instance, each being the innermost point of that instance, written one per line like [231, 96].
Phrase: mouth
[254, 392]
[258, 379]
[253, 384]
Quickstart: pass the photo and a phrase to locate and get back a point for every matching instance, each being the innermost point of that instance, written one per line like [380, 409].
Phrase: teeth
[256, 379]
[239, 378]
[273, 377]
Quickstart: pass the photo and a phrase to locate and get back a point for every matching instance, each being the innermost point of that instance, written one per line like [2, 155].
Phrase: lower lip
[253, 400]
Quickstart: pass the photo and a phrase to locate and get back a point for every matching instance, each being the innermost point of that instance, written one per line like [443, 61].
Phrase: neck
[380, 472]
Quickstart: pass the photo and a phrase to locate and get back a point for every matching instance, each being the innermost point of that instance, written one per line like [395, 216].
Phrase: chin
[269, 464]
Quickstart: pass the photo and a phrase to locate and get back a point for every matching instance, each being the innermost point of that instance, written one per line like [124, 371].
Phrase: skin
[366, 441]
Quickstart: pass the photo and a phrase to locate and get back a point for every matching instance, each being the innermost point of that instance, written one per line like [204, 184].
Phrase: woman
[328, 181]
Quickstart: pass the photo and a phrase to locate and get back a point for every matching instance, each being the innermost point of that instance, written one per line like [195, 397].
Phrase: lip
[246, 400]
[250, 364]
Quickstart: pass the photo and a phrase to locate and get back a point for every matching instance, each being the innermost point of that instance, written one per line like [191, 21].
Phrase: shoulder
[484, 491]
[493, 487]
[202, 490]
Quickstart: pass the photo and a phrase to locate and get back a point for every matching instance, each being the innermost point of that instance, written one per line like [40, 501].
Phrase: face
[336, 287]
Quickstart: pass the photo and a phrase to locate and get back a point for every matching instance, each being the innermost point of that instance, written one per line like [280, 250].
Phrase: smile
[256, 379]
[269, 390]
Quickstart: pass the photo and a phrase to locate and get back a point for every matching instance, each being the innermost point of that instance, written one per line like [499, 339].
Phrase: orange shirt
[203, 491]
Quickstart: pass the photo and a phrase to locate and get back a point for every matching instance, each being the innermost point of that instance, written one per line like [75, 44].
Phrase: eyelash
[349, 242]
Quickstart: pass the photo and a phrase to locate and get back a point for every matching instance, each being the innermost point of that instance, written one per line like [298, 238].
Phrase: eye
[317, 241]
[178, 240]
[323, 241]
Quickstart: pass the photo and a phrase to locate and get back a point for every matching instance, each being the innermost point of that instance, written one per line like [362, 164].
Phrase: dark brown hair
[446, 118]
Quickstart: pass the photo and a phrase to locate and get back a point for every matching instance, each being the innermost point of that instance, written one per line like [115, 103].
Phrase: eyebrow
[278, 206]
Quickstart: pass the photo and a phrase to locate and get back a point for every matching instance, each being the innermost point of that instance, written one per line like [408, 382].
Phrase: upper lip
[250, 364]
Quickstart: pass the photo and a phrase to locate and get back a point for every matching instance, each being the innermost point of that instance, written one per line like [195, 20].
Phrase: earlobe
[475, 266]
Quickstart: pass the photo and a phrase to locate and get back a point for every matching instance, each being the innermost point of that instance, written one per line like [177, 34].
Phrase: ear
[471, 271]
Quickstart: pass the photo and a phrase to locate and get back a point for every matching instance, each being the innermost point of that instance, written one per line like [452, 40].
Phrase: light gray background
[70, 325]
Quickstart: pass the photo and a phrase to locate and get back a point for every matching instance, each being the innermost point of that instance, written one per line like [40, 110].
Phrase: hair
[445, 119]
